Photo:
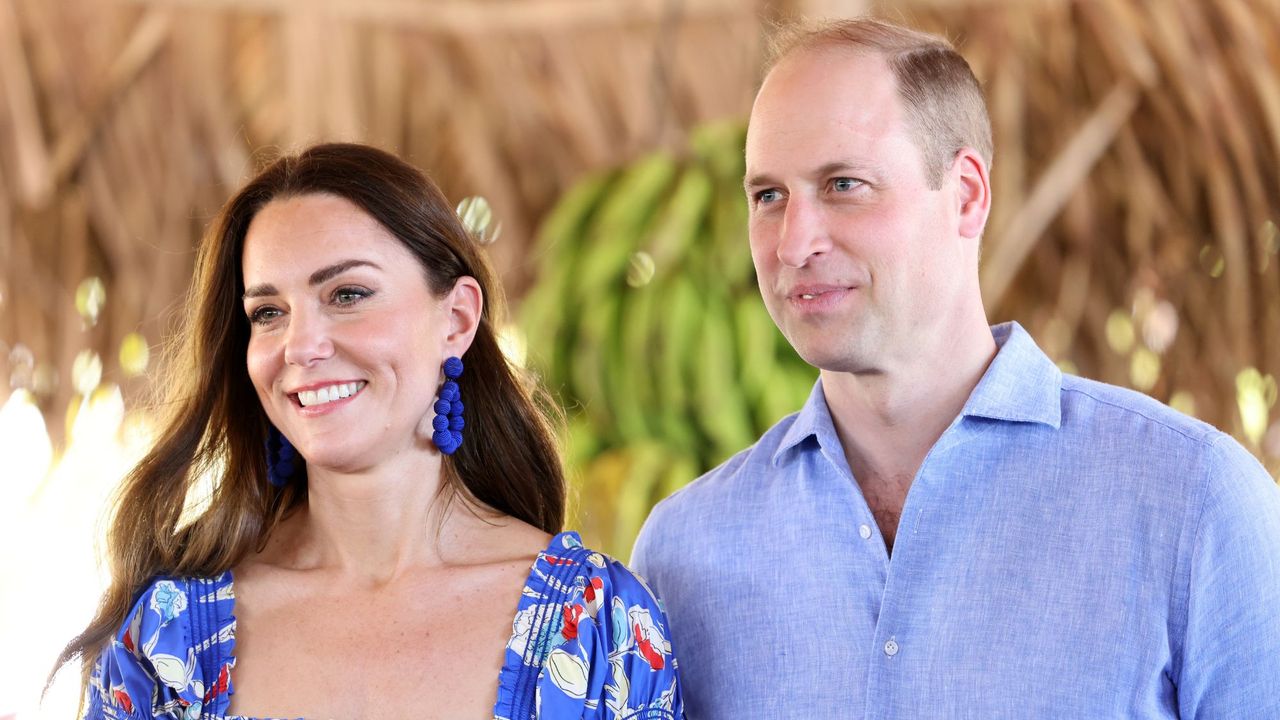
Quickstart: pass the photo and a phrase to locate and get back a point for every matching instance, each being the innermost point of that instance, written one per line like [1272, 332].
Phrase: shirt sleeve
[1230, 658]
[148, 669]
[617, 662]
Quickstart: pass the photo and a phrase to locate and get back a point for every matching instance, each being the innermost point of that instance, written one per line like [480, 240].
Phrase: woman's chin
[337, 462]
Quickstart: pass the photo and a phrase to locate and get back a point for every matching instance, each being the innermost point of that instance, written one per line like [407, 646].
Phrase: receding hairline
[940, 95]
[863, 34]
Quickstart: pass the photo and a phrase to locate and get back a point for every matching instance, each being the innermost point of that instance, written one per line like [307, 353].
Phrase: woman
[370, 561]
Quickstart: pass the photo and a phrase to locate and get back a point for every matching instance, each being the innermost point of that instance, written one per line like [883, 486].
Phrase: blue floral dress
[589, 640]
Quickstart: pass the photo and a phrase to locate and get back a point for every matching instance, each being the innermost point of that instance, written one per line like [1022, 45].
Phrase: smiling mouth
[816, 294]
[819, 301]
[332, 393]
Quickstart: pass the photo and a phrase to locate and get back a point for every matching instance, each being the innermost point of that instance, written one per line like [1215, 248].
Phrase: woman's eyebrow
[328, 273]
[318, 277]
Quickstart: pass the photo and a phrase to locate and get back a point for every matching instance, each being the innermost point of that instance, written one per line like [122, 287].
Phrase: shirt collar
[814, 420]
[1021, 385]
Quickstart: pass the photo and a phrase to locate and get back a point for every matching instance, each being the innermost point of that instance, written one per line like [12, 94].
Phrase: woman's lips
[323, 398]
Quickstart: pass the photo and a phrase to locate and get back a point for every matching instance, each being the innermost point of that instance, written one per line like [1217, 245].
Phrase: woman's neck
[371, 524]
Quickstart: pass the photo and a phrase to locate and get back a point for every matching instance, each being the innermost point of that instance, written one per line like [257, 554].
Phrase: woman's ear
[464, 305]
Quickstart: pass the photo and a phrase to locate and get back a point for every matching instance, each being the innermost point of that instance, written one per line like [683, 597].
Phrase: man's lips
[810, 292]
[818, 298]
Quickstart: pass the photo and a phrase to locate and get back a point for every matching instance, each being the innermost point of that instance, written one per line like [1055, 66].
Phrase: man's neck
[888, 420]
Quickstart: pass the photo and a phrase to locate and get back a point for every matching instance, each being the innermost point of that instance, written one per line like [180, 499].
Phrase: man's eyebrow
[318, 277]
[753, 181]
[826, 170]
[840, 166]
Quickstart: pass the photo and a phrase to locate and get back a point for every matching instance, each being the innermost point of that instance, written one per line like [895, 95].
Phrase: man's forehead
[832, 81]
[824, 105]
[831, 65]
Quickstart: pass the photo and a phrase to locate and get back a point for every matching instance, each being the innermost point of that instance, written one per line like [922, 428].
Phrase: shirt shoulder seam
[1208, 437]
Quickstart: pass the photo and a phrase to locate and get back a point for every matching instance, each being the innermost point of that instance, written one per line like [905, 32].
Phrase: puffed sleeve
[617, 661]
[149, 668]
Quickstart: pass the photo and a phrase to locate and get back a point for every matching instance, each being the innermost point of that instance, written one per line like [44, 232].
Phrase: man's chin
[845, 359]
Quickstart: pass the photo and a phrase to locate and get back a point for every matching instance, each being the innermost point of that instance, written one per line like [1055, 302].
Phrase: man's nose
[804, 233]
[307, 339]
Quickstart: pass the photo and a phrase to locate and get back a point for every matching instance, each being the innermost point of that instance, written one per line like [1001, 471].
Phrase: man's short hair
[941, 96]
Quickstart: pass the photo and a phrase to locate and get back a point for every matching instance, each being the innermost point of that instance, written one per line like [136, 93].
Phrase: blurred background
[1134, 231]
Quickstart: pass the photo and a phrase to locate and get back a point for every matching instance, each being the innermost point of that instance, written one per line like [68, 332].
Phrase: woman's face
[346, 339]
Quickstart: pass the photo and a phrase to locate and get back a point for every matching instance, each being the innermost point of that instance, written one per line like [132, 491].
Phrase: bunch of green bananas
[646, 323]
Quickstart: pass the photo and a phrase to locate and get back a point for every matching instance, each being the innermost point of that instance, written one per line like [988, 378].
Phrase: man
[950, 527]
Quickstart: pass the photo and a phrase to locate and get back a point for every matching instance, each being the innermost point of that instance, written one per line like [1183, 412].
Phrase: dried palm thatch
[125, 125]
[1137, 190]
[1136, 181]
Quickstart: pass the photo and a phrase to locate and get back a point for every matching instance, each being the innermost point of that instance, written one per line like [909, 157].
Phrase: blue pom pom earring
[448, 422]
[282, 458]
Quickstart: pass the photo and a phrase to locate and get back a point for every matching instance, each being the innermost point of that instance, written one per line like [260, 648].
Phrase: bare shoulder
[492, 540]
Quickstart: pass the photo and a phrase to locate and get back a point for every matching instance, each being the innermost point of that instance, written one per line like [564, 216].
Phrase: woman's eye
[263, 315]
[349, 295]
[844, 184]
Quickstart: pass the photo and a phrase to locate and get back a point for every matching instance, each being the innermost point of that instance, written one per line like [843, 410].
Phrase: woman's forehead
[301, 234]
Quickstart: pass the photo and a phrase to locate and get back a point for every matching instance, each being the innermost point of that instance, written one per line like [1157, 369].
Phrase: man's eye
[844, 184]
[768, 196]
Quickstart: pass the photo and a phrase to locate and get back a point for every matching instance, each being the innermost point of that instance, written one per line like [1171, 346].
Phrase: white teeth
[307, 398]
[807, 296]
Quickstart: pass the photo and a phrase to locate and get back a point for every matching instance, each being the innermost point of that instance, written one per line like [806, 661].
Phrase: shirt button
[864, 531]
[891, 647]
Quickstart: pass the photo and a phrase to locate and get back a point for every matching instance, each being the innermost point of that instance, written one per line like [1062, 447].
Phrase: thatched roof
[1137, 172]
[126, 125]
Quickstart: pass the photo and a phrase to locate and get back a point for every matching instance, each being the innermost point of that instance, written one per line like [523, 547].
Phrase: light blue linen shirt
[1068, 549]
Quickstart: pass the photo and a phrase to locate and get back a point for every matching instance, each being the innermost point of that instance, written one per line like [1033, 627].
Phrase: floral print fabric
[153, 667]
[589, 640]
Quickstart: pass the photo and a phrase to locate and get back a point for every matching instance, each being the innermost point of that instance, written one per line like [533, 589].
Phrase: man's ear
[974, 192]
[465, 305]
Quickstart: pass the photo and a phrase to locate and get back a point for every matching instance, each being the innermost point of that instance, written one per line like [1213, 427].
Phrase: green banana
[755, 335]
[677, 339]
[620, 220]
[679, 227]
[723, 413]
[669, 368]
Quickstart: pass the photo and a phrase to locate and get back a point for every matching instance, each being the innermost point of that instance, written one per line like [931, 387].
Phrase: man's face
[859, 262]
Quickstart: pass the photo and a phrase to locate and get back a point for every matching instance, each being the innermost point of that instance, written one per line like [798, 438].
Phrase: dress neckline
[564, 540]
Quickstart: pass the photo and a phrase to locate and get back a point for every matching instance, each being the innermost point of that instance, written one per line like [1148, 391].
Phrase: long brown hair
[215, 424]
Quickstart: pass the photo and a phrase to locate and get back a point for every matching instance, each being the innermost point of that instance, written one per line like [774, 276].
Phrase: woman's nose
[307, 339]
